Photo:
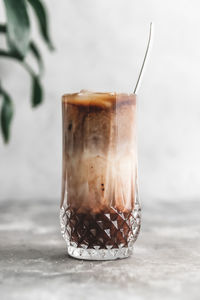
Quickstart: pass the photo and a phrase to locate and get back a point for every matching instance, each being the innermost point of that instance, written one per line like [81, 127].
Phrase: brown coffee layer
[99, 231]
[98, 125]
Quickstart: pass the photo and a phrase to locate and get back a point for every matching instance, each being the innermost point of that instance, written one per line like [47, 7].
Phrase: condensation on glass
[99, 212]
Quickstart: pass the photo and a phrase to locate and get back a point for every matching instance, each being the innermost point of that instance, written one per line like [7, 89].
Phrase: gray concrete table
[34, 264]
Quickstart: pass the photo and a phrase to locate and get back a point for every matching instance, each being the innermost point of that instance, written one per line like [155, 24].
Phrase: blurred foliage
[18, 36]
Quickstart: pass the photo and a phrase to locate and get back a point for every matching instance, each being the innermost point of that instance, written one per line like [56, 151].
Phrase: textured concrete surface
[34, 264]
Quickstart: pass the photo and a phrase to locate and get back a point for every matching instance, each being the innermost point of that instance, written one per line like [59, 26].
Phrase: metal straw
[144, 60]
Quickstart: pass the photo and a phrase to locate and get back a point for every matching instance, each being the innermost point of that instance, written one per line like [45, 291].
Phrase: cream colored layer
[96, 184]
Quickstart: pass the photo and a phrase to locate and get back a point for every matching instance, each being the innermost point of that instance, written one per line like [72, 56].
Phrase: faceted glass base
[106, 236]
[99, 254]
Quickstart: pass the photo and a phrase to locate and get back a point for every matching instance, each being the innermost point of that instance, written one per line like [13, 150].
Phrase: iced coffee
[100, 213]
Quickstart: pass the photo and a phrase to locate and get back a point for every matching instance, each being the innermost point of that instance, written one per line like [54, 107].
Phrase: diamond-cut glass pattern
[100, 236]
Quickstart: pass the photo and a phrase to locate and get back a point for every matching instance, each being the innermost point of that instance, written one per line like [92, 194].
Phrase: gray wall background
[100, 45]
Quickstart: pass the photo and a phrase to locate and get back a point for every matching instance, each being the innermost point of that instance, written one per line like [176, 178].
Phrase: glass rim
[99, 99]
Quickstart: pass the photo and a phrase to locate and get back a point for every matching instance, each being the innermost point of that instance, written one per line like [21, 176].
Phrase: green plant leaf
[9, 54]
[35, 51]
[7, 112]
[2, 28]
[37, 93]
[41, 14]
[18, 26]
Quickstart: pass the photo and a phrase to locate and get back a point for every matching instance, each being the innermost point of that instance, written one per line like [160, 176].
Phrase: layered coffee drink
[100, 213]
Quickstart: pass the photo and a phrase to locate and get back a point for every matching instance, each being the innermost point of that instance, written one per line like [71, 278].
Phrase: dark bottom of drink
[99, 231]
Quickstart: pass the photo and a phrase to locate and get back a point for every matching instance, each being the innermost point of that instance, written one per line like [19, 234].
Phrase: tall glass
[100, 212]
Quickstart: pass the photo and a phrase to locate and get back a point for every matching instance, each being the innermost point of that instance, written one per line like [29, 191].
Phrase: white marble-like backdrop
[100, 45]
